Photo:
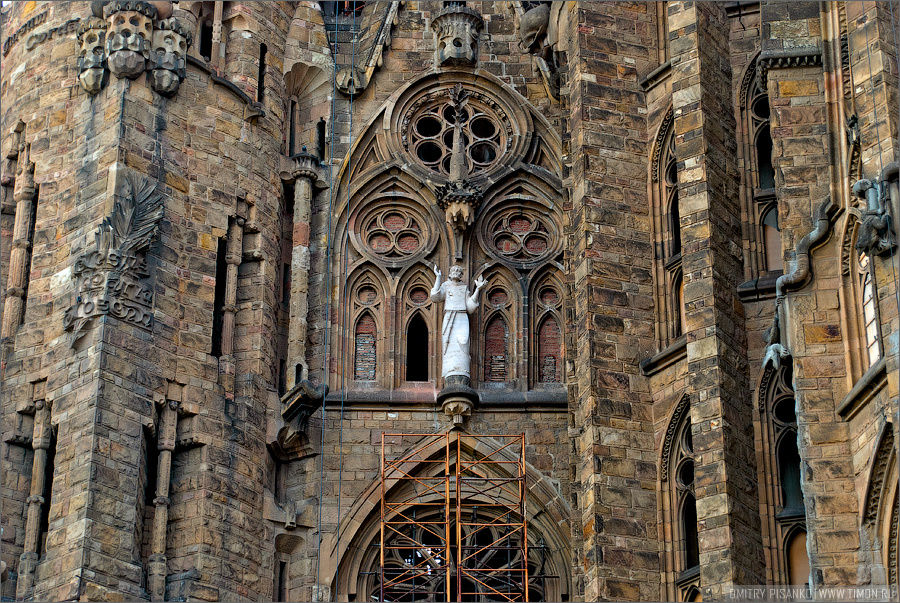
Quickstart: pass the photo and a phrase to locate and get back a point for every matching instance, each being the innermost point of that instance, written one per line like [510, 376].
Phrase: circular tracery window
[428, 132]
[393, 234]
[520, 235]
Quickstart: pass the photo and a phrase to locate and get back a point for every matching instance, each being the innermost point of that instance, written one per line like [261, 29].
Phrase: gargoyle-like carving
[130, 29]
[875, 235]
[456, 31]
[301, 402]
[776, 353]
[92, 58]
[170, 45]
[534, 25]
[109, 278]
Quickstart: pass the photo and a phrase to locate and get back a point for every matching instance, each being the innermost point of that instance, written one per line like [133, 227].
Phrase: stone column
[608, 263]
[233, 253]
[721, 407]
[305, 175]
[24, 194]
[40, 442]
[165, 444]
[216, 50]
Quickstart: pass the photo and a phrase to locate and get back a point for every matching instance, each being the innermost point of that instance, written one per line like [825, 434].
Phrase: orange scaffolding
[459, 526]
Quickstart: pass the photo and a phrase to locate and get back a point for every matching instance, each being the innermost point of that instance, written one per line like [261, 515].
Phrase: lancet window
[758, 177]
[680, 526]
[785, 522]
[859, 287]
[667, 221]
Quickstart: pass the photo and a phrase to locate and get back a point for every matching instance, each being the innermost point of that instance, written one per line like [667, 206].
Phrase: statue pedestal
[457, 400]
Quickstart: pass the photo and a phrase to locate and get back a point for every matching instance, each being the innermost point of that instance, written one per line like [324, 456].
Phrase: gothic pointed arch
[859, 302]
[498, 359]
[413, 301]
[678, 525]
[666, 231]
[880, 509]
[387, 210]
[763, 247]
[359, 531]
[545, 327]
[366, 318]
[781, 472]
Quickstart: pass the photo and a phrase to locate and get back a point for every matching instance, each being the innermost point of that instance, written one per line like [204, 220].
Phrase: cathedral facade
[396, 300]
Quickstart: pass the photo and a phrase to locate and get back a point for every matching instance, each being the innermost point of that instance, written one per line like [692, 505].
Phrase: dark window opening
[206, 36]
[764, 159]
[689, 532]
[281, 581]
[320, 138]
[261, 77]
[286, 284]
[417, 349]
[29, 254]
[152, 456]
[282, 377]
[219, 298]
[292, 128]
[44, 524]
[298, 373]
[675, 224]
[789, 472]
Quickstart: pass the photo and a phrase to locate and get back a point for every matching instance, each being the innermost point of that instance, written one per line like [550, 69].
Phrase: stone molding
[785, 59]
[352, 79]
[683, 406]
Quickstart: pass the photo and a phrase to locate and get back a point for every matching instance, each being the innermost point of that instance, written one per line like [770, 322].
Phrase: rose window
[392, 234]
[520, 236]
[426, 568]
[430, 132]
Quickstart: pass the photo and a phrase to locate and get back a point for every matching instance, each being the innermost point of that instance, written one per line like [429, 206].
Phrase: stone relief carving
[170, 43]
[536, 39]
[129, 37]
[92, 58]
[129, 31]
[456, 31]
[108, 279]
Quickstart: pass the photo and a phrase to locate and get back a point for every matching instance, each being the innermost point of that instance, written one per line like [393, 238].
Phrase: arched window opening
[292, 128]
[679, 317]
[496, 350]
[206, 39]
[365, 360]
[772, 236]
[764, 157]
[869, 311]
[671, 184]
[549, 351]
[417, 349]
[789, 473]
[689, 532]
[44, 521]
[261, 76]
[797, 559]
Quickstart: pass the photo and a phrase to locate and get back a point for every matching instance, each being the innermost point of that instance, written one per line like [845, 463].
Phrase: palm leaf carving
[135, 216]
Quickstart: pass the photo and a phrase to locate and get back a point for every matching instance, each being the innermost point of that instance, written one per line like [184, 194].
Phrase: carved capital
[783, 59]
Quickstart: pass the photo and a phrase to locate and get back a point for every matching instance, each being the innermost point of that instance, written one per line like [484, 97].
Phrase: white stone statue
[458, 304]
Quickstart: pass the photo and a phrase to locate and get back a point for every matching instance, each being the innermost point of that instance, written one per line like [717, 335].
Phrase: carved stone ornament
[459, 198]
[875, 235]
[534, 25]
[456, 32]
[92, 57]
[130, 29]
[170, 45]
[108, 279]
